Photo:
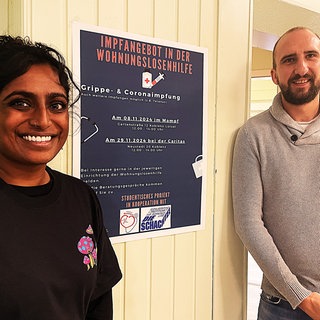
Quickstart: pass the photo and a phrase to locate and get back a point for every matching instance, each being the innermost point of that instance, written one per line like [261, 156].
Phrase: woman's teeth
[37, 138]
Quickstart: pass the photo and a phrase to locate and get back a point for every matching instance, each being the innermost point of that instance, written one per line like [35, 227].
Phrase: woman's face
[34, 118]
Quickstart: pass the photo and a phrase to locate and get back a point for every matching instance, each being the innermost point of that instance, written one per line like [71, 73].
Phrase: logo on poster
[147, 81]
[129, 221]
[155, 218]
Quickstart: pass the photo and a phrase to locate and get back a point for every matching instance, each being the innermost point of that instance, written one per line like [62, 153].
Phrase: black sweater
[56, 259]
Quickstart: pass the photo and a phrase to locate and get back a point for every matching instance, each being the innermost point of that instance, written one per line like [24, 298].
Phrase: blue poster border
[172, 106]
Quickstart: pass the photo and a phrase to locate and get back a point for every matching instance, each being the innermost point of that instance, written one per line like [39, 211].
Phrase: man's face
[33, 118]
[297, 71]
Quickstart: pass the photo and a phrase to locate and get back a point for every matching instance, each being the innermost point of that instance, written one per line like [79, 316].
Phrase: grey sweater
[276, 198]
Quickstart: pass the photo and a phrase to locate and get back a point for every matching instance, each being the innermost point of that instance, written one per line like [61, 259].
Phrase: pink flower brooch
[87, 247]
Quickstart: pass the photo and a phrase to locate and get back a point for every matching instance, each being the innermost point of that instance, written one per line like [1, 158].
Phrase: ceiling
[313, 5]
[271, 18]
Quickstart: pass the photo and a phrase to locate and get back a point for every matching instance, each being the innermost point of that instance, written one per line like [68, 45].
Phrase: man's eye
[311, 56]
[288, 60]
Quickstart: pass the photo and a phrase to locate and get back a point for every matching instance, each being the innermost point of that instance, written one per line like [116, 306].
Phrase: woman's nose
[40, 118]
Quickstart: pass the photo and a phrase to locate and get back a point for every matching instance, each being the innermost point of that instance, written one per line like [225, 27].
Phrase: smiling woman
[69, 281]
[33, 125]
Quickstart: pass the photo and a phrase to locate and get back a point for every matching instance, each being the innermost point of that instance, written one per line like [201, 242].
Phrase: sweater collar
[309, 136]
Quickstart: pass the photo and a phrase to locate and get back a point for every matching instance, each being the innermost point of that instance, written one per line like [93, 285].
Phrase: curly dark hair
[18, 54]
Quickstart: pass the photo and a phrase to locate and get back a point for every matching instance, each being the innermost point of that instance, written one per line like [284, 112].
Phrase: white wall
[171, 278]
[3, 16]
[232, 82]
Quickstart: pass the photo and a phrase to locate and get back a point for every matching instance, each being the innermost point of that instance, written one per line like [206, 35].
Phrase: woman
[57, 261]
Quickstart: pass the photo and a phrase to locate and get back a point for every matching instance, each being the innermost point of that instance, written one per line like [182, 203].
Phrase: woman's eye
[58, 107]
[20, 104]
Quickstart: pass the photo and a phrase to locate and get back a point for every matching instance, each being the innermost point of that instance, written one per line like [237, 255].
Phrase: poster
[140, 131]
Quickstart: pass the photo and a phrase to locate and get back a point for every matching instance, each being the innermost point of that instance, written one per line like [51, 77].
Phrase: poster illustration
[140, 128]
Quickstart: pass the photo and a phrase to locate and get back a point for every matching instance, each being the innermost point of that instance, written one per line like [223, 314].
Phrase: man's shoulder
[260, 122]
[260, 118]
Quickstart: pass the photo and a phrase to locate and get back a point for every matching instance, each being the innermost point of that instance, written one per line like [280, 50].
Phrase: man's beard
[299, 97]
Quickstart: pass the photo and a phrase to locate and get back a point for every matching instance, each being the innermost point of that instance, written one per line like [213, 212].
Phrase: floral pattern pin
[87, 247]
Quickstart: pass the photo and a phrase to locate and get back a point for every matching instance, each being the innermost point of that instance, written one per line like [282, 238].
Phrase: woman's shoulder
[68, 180]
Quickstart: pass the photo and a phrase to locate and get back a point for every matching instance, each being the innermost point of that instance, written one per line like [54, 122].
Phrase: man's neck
[304, 112]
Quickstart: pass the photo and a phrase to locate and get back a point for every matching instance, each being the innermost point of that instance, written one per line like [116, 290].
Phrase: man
[276, 183]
